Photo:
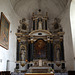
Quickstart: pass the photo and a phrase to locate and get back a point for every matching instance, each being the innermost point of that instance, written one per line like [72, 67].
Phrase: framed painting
[4, 31]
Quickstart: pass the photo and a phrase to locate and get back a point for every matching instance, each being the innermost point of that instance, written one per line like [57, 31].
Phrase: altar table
[39, 73]
[39, 69]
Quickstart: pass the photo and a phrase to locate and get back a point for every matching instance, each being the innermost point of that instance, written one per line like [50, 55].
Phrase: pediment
[40, 33]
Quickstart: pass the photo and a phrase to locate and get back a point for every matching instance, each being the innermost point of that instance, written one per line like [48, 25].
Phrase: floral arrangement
[51, 70]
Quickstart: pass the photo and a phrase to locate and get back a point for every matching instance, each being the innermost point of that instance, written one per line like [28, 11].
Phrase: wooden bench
[4, 72]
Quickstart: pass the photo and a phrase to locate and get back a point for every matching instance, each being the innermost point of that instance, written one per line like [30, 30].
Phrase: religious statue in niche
[24, 25]
[22, 21]
[56, 24]
[22, 53]
[57, 48]
[40, 25]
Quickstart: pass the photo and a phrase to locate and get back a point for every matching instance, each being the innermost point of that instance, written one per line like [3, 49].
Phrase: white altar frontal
[39, 69]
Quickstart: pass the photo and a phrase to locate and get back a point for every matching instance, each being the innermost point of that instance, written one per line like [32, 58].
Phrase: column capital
[32, 40]
[61, 39]
[48, 40]
[51, 40]
[19, 40]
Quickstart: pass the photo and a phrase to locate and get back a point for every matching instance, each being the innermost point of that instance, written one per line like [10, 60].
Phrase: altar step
[28, 71]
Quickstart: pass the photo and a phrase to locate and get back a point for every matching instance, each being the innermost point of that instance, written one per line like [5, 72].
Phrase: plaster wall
[72, 18]
[68, 44]
[10, 54]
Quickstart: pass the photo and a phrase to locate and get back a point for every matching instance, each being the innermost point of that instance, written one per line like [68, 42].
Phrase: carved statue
[40, 25]
[23, 51]
[57, 53]
[23, 55]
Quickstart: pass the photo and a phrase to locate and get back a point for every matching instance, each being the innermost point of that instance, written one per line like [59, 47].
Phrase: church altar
[39, 69]
[40, 42]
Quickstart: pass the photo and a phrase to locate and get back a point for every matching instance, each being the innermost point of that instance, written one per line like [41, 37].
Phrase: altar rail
[24, 73]
[39, 74]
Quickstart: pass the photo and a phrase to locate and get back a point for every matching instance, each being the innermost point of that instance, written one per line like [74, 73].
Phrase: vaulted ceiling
[24, 8]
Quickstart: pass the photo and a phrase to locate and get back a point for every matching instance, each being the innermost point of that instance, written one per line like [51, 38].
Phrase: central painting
[40, 49]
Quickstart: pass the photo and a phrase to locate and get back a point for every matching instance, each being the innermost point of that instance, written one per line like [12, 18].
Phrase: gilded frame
[4, 31]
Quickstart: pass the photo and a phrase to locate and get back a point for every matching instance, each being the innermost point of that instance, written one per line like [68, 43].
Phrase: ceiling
[25, 8]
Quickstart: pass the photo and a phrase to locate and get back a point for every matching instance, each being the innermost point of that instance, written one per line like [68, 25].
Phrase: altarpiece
[40, 44]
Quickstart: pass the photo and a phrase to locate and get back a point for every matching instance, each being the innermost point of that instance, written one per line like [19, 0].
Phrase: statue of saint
[40, 25]
[57, 53]
[23, 55]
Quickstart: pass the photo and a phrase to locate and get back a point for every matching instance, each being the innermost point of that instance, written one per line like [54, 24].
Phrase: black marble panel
[18, 49]
[33, 24]
[52, 52]
[46, 24]
[62, 50]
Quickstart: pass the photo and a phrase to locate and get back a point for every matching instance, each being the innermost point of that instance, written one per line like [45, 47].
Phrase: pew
[4, 72]
[71, 72]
